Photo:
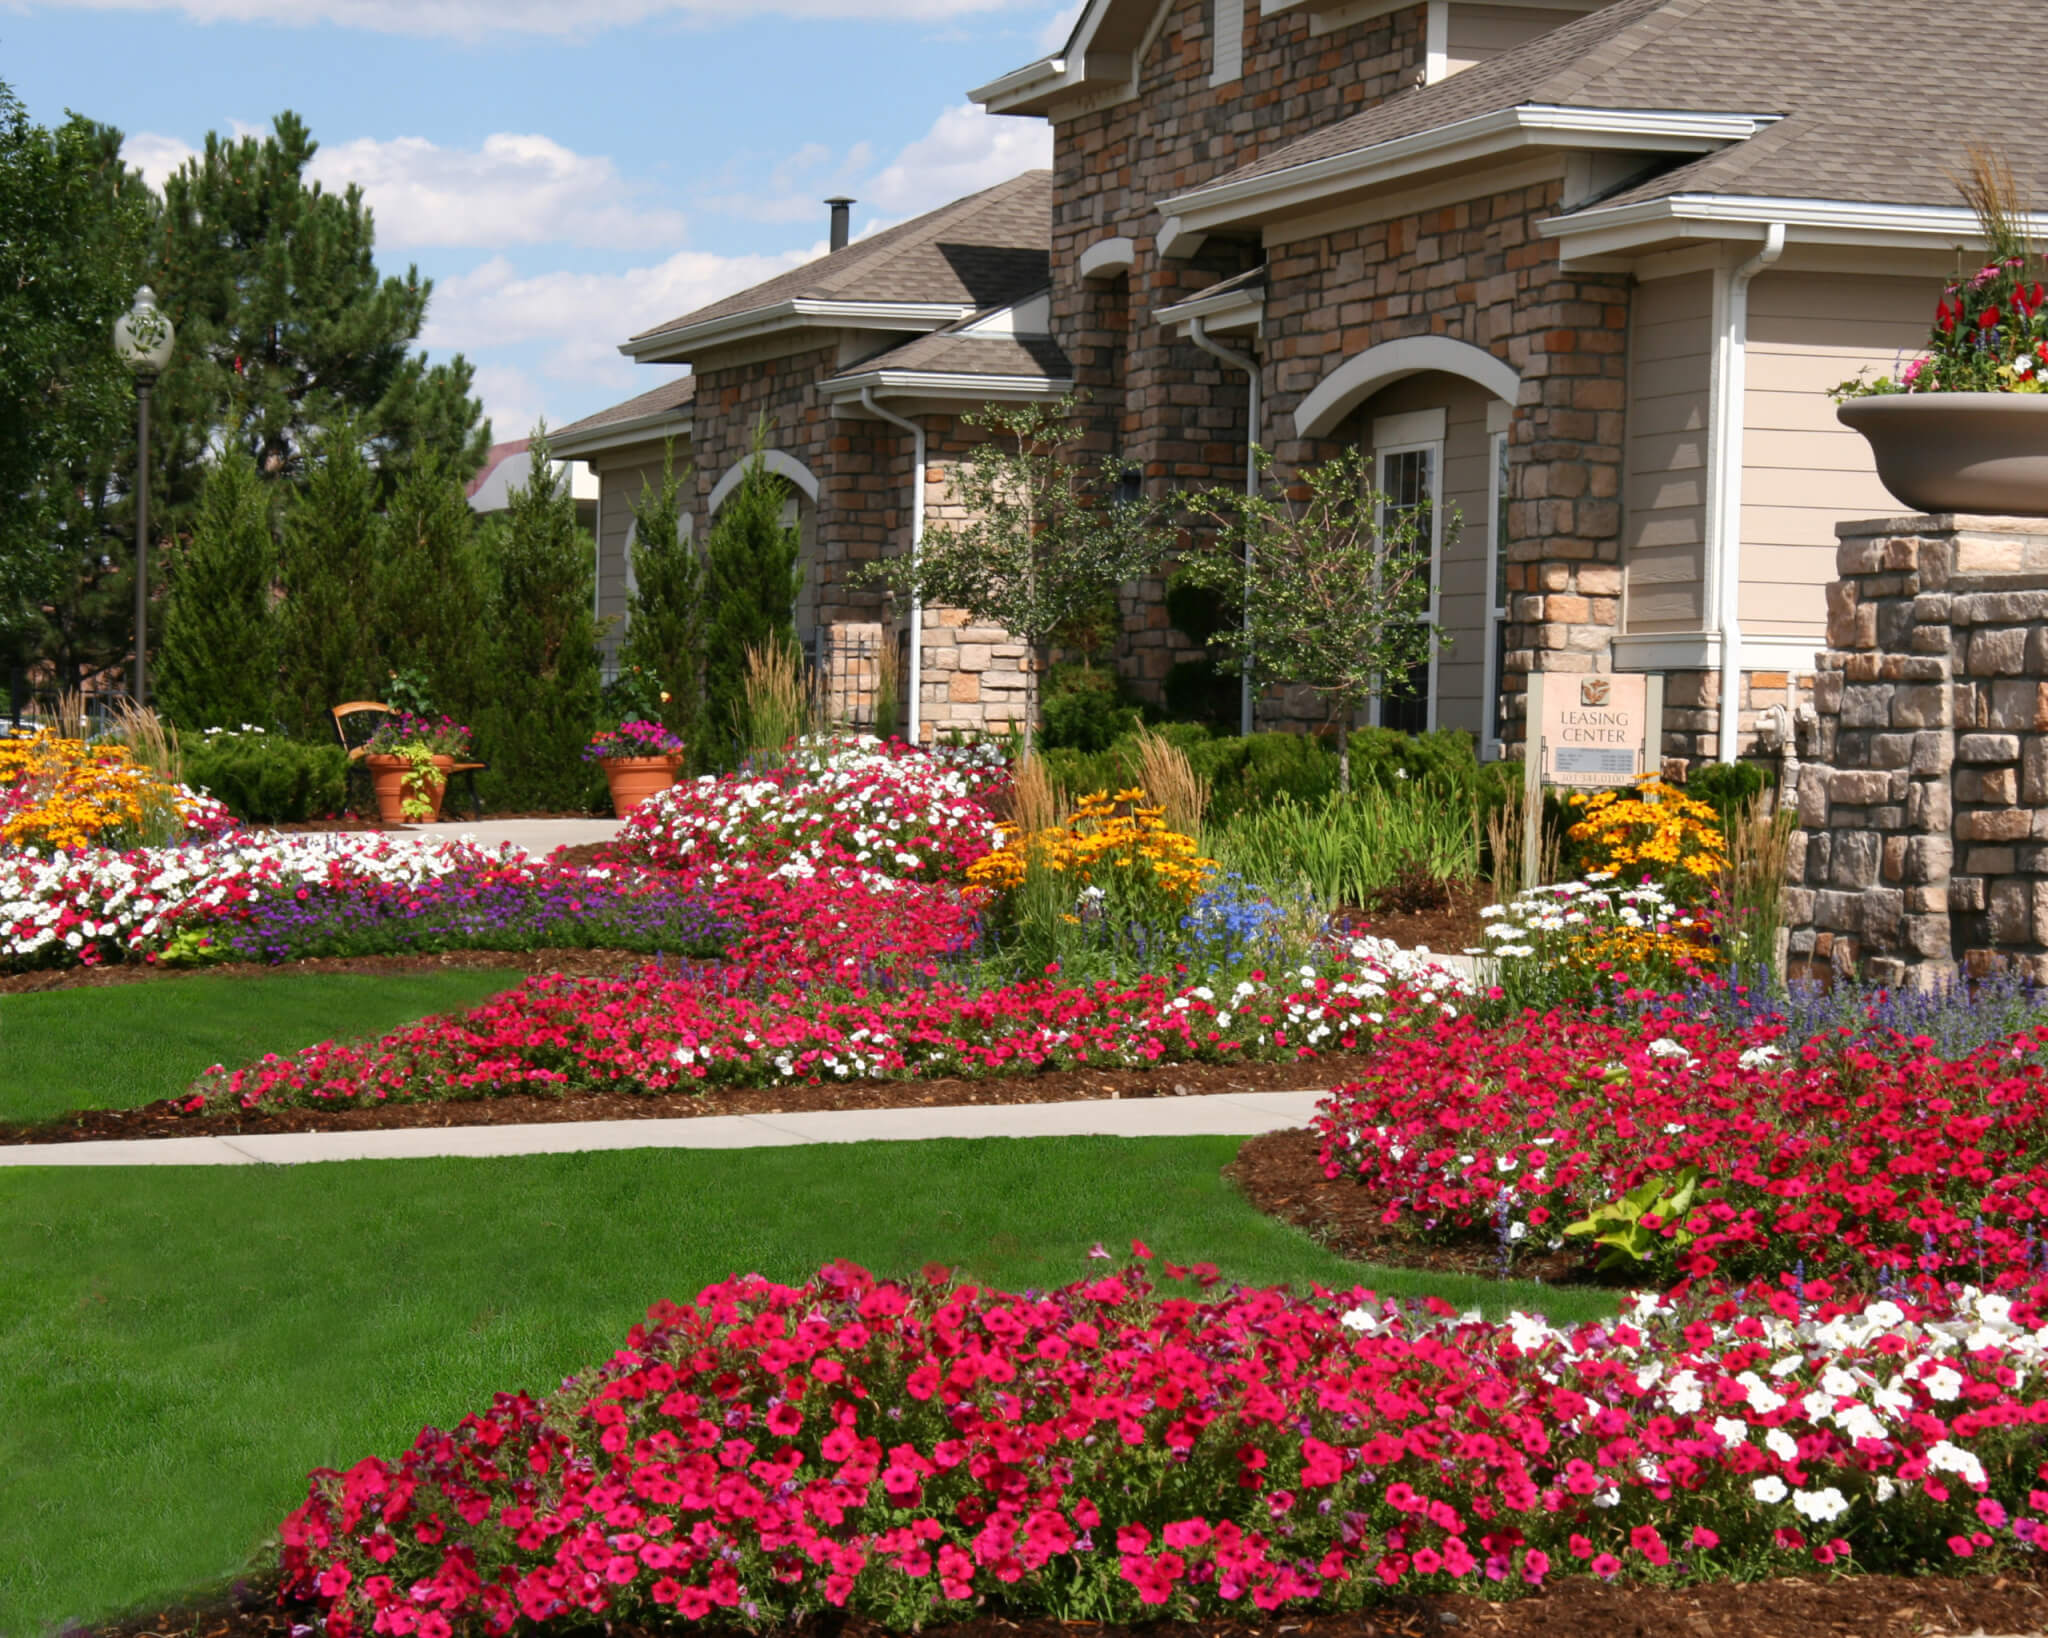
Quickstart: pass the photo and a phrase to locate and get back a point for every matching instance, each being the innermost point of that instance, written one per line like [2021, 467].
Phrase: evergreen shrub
[267, 779]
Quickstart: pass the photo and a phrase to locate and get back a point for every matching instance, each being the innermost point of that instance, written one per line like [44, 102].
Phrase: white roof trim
[1106, 258]
[1361, 375]
[942, 384]
[782, 464]
[1532, 125]
[800, 313]
[1618, 229]
[679, 422]
[1242, 306]
[1032, 88]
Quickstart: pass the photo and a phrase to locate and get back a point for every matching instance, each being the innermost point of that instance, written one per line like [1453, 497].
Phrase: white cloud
[514, 190]
[511, 398]
[473, 19]
[965, 151]
[155, 155]
[1060, 26]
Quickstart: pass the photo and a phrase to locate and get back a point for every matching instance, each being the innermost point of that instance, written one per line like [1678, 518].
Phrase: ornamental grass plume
[776, 708]
[1171, 782]
[152, 743]
[1753, 882]
[1036, 802]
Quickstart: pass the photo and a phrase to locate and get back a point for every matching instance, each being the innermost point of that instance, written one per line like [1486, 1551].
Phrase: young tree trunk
[1030, 699]
[1344, 752]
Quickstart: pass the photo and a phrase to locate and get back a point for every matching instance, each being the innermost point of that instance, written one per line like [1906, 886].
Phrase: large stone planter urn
[1983, 452]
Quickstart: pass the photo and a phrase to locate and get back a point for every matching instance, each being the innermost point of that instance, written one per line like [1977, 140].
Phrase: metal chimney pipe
[842, 216]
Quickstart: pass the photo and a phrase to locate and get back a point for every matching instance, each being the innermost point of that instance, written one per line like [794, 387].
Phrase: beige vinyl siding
[622, 473]
[1803, 471]
[1462, 591]
[1480, 32]
[1670, 374]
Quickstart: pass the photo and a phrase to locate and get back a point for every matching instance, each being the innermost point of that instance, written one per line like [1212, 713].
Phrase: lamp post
[142, 341]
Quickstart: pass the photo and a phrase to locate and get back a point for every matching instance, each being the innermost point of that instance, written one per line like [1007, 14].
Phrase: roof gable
[974, 253]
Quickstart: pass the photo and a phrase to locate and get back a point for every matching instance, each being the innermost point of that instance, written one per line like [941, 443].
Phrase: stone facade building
[1576, 273]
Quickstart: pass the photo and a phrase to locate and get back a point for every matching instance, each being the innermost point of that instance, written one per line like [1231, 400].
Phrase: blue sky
[566, 171]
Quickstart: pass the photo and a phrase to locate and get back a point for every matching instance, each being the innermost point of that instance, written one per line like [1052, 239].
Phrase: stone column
[1923, 842]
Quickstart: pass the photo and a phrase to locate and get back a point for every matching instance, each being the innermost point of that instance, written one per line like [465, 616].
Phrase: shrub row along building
[1577, 273]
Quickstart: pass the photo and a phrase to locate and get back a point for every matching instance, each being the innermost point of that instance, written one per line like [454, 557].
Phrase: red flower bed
[661, 1030]
[854, 805]
[1889, 1164]
[899, 1451]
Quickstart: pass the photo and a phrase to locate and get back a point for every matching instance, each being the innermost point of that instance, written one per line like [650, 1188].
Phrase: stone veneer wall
[1923, 805]
[1479, 272]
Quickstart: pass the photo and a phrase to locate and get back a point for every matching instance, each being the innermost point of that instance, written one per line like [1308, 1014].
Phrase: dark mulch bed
[1841, 1607]
[1281, 1174]
[515, 963]
[162, 1119]
[1447, 929]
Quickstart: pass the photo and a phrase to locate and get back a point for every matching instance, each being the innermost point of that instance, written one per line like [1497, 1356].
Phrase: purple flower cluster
[636, 738]
[443, 736]
[559, 910]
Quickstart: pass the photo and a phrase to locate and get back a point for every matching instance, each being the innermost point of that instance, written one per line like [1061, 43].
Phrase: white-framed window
[1226, 19]
[1496, 594]
[1409, 475]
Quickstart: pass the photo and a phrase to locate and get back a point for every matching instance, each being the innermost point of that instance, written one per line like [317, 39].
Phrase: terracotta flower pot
[387, 781]
[1959, 451]
[635, 778]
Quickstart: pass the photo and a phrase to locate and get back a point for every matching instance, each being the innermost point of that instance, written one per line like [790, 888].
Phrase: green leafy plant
[267, 778]
[1049, 537]
[1335, 583]
[1645, 1222]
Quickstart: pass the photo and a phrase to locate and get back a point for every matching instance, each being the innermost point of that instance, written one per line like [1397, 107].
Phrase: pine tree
[332, 539]
[544, 671]
[751, 582]
[285, 326]
[218, 665]
[665, 615]
[426, 609]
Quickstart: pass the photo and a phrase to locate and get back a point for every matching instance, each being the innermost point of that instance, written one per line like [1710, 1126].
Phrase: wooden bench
[365, 714]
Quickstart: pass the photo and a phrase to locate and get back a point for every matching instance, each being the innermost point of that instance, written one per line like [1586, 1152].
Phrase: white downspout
[1731, 381]
[916, 431]
[1199, 335]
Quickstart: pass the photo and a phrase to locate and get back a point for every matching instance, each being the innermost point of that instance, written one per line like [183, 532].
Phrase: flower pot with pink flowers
[639, 758]
[410, 758]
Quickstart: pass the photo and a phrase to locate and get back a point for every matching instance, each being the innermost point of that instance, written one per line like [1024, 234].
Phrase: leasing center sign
[1596, 731]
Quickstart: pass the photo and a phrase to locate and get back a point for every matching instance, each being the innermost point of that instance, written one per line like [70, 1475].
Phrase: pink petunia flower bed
[902, 1451]
[1879, 1166]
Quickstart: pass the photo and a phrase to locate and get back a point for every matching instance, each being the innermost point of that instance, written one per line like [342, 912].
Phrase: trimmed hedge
[268, 779]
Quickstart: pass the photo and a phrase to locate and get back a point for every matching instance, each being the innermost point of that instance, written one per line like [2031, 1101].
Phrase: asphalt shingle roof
[672, 394]
[946, 352]
[985, 250]
[1879, 98]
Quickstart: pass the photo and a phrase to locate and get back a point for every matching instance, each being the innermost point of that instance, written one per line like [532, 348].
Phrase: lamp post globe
[143, 338]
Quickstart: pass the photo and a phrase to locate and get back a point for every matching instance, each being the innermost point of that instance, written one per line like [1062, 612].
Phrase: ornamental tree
[218, 664]
[74, 228]
[665, 613]
[1332, 581]
[543, 636]
[752, 576]
[1048, 535]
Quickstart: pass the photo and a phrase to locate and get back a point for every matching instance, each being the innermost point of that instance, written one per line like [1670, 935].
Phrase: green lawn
[178, 1346]
[130, 1044]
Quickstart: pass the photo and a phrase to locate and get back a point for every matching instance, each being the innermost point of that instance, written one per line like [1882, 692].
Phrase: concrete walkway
[1236, 1114]
[538, 837]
